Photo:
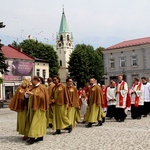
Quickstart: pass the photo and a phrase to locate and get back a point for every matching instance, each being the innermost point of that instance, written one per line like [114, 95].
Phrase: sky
[99, 23]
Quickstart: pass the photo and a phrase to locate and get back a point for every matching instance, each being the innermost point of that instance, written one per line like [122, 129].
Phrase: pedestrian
[121, 91]
[60, 102]
[50, 88]
[95, 99]
[137, 101]
[146, 96]
[73, 110]
[111, 100]
[38, 104]
[83, 105]
[19, 104]
[104, 105]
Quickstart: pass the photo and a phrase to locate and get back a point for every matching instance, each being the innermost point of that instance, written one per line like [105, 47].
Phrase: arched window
[67, 37]
[60, 62]
[61, 38]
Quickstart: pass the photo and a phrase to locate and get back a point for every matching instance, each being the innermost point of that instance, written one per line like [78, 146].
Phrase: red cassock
[104, 105]
[128, 100]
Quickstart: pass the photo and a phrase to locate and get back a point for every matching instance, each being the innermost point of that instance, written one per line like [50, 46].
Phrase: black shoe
[31, 141]
[103, 120]
[57, 132]
[99, 123]
[120, 120]
[89, 125]
[39, 139]
[138, 118]
[110, 118]
[50, 125]
[145, 116]
[69, 128]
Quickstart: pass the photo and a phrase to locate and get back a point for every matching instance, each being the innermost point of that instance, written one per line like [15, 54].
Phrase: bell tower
[64, 47]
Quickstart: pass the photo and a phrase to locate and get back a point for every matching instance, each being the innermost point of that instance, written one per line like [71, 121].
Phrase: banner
[18, 69]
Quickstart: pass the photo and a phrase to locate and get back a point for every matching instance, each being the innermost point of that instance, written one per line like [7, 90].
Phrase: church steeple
[64, 46]
[63, 25]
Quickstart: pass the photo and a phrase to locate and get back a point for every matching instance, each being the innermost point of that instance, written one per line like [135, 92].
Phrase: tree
[99, 52]
[85, 63]
[3, 65]
[42, 51]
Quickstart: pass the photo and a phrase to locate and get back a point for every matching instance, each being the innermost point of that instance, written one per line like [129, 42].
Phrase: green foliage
[3, 66]
[42, 51]
[85, 63]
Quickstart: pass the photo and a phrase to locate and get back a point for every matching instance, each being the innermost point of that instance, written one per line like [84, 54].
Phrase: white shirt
[110, 94]
[146, 96]
[138, 92]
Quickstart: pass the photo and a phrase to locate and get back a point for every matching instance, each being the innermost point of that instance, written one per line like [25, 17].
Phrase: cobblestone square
[128, 135]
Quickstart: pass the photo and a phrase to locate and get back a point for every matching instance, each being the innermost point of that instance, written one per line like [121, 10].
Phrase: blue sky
[96, 22]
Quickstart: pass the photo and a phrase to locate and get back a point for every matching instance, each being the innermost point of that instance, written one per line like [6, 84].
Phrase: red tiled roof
[11, 52]
[130, 43]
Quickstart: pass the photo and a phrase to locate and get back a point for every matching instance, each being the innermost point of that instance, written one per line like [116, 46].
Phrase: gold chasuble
[37, 110]
[95, 100]
[19, 104]
[59, 100]
[50, 118]
[73, 110]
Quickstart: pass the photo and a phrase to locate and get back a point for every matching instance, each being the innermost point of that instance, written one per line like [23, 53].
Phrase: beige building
[129, 58]
[41, 68]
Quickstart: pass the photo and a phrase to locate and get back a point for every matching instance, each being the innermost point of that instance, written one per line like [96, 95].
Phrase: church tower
[64, 47]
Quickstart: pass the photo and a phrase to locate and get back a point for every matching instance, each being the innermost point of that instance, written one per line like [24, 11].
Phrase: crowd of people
[61, 107]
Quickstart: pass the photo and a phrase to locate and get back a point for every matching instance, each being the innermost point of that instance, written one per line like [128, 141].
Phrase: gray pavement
[128, 135]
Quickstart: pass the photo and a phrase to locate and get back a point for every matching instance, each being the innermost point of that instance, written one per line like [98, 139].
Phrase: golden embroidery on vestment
[93, 89]
[37, 90]
[21, 91]
[71, 90]
[60, 88]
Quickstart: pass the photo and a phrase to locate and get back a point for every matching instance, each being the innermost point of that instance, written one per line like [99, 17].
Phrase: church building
[64, 47]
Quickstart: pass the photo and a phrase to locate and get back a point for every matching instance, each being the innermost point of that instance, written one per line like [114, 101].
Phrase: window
[44, 73]
[112, 63]
[122, 62]
[133, 61]
[61, 38]
[60, 62]
[67, 37]
[38, 72]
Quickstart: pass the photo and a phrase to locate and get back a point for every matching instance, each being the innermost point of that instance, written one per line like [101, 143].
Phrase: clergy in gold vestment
[50, 87]
[19, 104]
[38, 104]
[95, 99]
[73, 110]
[59, 100]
